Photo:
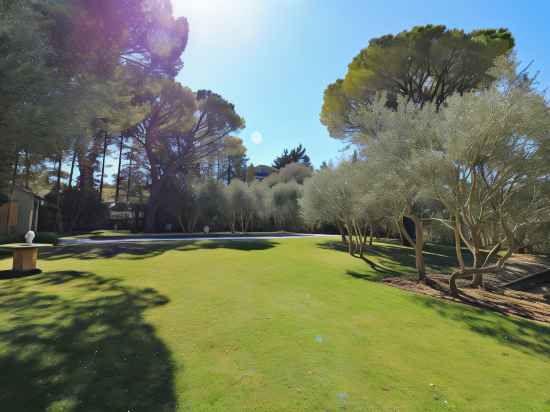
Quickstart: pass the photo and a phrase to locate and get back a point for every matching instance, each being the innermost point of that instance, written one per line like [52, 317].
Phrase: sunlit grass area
[271, 325]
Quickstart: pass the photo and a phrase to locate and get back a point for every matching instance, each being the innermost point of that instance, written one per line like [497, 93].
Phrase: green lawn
[273, 325]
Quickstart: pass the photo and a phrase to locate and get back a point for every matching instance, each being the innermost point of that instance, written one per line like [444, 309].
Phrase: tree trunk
[103, 168]
[72, 170]
[58, 216]
[401, 240]
[407, 222]
[117, 191]
[361, 234]
[228, 171]
[465, 273]
[86, 177]
[152, 207]
[27, 170]
[150, 216]
[75, 217]
[342, 233]
[473, 246]
[12, 190]
[180, 223]
[417, 243]
[477, 278]
[458, 243]
[351, 246]
[156, 183]
[418, 247]
[371, 235]
[452, 282]
[129, 176]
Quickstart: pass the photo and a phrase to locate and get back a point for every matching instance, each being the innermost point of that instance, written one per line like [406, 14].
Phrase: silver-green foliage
[481, 161]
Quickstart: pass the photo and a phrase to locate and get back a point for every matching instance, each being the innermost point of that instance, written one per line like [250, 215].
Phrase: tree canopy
[425, 64]
[180, 130]
[477, 166]
[295, 155]
[97, 35]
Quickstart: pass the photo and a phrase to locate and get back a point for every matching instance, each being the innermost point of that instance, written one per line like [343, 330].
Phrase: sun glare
[221, 21]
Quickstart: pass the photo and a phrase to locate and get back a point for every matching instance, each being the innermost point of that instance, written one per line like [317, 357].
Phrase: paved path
[179, 238]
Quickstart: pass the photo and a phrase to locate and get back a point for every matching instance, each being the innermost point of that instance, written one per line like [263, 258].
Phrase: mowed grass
[272, 325]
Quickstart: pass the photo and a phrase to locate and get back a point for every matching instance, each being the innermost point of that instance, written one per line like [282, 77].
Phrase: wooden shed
[20, 214]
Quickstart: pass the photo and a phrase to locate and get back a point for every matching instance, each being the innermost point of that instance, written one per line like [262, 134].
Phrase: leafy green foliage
[296, 155]
[82, 210]
[96, 36]
[47, 237]
[477, 165]
[181, 129]
[231, 160]
[4, 199]
[292, 172]
[36, 99]
[425, 64]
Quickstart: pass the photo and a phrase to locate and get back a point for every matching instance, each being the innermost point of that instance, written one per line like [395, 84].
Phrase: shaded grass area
[146, 250]
[394, 259]
[115, 234]
[253, 325]
[77, 341]
[395, 265]
[524, 335]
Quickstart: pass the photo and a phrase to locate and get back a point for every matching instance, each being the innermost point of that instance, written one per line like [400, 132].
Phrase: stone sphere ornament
[29, 237]
[206, 229]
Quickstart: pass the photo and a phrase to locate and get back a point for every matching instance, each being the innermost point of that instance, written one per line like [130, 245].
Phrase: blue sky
[274, 58]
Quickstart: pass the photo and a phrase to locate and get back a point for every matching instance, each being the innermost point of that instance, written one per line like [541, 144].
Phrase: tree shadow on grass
[372, 276]
[10, 274]
[145, 250]
[399, 261]
[88, 349]
[524, 335]
[99, 235]
[521, 334]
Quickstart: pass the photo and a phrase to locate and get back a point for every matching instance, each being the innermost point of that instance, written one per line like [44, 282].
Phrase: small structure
[263, 171]
[25, 254]
[125, 216]
[120, 212]
[20, 214]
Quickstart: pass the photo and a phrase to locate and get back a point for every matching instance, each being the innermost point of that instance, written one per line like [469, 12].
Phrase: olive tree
[263, 209]
[284, 205]
[200, 202]
[426, 64]
[341, 196]
[240, 205]
[212, 203]
[297, 172]
[389, 139]
[488, 165]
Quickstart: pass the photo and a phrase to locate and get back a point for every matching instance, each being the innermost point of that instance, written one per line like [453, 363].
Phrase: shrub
[46, 237]
[8, 239]
[4, 198]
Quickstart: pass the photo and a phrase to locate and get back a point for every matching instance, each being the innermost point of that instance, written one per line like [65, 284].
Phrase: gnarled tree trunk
[458, 243]
[152, 207]
[417, 243]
